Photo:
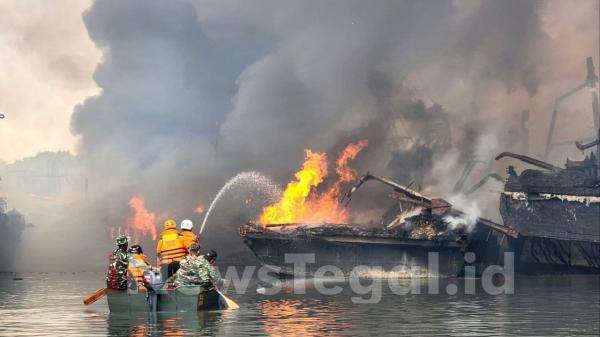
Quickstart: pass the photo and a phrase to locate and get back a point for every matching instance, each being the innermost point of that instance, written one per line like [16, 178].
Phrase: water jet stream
[251, 178]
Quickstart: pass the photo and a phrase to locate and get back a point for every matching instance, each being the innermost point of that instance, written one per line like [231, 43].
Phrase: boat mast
[590, 81]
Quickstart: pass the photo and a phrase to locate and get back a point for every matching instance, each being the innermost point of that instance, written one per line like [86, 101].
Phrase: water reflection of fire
[301, 203]
[293, 318]
[170, 327]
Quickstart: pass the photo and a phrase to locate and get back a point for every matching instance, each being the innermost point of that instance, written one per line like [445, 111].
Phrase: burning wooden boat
[346, 247]
[417, 241]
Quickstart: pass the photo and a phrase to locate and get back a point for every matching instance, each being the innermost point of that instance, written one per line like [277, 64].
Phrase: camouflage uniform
[117, 270]
[209, 272]
[121, 263]
[196, 270]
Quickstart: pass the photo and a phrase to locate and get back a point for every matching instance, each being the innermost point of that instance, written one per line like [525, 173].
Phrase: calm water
[51, 304]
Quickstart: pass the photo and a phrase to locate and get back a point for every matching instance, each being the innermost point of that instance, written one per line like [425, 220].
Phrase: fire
[143, 221]
[199, 209]
[345, 173]
[293, 206]
[301, 202]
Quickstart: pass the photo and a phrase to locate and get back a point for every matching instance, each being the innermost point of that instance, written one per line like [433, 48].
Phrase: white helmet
[187, 224]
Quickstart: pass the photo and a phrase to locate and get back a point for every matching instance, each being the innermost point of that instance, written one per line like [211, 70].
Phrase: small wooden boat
[183, 298]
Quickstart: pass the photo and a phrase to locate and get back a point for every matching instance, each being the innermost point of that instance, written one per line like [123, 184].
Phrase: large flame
[300, 203]
[293, 205]
[143, 221]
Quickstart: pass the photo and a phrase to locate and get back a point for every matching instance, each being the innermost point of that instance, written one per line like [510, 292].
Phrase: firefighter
[138, 263]
[117, 270]
[170, 249]
[187, 236]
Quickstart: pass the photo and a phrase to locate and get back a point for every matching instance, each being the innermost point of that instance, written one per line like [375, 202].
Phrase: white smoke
[471, 213]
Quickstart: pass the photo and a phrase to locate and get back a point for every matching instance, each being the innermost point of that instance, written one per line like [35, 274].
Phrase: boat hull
[547, 216]
[420, 258]
[557, 233]
[181, 299]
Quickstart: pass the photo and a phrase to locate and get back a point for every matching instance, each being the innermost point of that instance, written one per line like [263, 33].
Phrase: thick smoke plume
[193, 92]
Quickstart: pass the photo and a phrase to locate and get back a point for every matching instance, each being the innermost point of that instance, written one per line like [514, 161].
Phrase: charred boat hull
[353, 253]
[544, 255]
[562, 217]
[557, 234]
[534, 255]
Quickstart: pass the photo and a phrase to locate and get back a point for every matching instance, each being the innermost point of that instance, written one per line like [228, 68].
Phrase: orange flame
[293, 206]
[199, 209]
[345, 173]
[143, 221]
[300, 203]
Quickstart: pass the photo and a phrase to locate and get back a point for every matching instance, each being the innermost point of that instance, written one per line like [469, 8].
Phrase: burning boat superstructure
[416, 241]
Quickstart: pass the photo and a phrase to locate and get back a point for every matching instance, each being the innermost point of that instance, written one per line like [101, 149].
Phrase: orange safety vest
[170, 248]
[187, 237]
[138, 273]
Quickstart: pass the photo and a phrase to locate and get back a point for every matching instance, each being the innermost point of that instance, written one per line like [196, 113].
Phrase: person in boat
[189, 272]
[209, 272]
[187, 236]
[138, 264]
[196, 270]
[170, 249]
[117, 270]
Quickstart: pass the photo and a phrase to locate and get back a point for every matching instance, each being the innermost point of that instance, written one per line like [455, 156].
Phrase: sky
[169, 99]
[49, 61]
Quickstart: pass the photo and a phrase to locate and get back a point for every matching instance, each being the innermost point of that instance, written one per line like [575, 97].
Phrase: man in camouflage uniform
[117, 270]
[212, 274]
[195, 269]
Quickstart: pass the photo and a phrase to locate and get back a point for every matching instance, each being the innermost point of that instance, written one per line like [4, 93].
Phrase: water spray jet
[252, 178]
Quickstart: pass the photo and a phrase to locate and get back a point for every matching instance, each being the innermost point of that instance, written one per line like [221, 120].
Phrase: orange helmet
[170, 224]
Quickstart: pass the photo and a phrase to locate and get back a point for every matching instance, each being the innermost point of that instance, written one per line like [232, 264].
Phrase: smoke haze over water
[189, 93]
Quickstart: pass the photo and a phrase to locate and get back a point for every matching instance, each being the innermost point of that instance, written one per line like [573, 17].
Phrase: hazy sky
[47, 62]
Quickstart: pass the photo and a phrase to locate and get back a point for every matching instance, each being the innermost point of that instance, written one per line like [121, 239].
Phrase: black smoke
[193, 92]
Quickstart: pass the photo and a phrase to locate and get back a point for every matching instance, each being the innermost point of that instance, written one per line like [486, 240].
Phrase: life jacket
[170, 248]
[138, 273]
[187, 237]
